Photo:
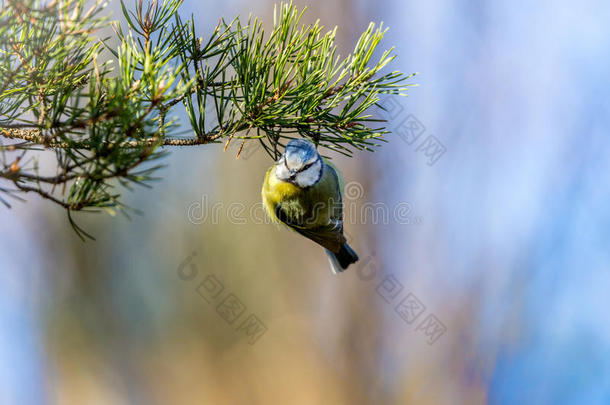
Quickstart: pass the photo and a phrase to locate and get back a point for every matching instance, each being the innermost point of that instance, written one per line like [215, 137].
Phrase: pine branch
[36, 136]
[106, 113]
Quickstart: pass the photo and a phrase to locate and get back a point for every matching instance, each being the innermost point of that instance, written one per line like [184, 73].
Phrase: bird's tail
[342, 259]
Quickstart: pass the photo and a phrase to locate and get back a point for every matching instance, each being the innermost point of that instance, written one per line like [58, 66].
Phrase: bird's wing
[329, 236]
[337, 174]
[335, 178]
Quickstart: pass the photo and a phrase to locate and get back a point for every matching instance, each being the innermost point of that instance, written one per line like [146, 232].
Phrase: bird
[303, 191]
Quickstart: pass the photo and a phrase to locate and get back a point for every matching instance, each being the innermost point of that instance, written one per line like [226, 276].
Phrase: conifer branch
[106, 113]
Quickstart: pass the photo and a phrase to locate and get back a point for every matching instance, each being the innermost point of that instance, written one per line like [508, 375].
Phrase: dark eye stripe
[307, 166]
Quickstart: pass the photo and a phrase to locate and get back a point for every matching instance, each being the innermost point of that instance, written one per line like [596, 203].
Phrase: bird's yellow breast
[276, 191]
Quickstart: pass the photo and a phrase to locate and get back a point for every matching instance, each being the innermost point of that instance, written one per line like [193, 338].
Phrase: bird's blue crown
[300, 150]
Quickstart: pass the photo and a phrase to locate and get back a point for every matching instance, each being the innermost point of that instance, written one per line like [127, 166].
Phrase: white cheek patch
[293, 161]
[309, 177]
[281, 172]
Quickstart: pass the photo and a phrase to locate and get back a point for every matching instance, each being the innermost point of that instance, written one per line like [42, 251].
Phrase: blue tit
[304, 191]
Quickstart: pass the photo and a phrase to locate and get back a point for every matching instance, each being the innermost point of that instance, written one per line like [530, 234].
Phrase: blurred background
[488, 283]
